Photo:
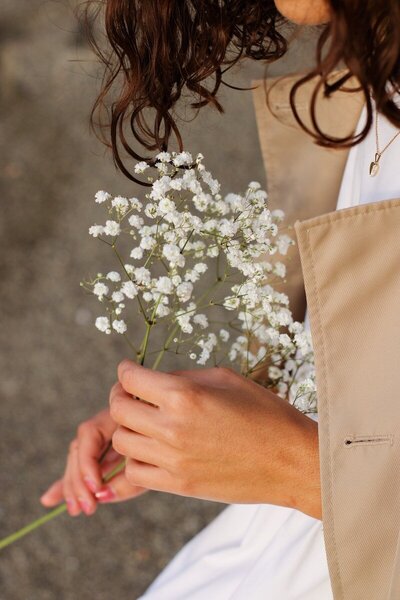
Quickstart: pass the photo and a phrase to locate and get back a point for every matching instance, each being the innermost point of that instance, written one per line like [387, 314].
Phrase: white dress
[262, 551]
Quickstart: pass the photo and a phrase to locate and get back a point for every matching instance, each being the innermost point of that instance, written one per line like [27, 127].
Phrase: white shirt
[358, 187]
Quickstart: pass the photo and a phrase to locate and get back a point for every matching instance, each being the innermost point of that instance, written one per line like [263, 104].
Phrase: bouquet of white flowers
[199, 270]
[198, 267]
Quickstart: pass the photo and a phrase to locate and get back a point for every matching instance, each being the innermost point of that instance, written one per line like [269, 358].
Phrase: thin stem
[32, 526]
[145, 343]
[166, 346]
[117, 254]
[217, 267]
[149, 257]
[149, 325]
[10, 539]
[176, 328]
[132, 347]
[187, 240]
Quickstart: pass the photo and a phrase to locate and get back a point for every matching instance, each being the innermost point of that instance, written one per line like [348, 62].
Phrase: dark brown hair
[164, 50]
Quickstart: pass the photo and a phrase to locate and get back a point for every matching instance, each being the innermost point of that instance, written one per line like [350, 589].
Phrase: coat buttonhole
[368, 440]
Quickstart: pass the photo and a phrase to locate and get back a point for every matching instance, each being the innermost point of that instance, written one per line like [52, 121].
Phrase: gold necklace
[374, 166]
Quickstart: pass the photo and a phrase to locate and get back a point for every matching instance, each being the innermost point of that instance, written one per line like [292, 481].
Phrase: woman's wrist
[306, 496]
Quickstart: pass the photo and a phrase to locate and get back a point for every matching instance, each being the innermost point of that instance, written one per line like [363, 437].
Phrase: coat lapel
[303, 179]
[350, 260]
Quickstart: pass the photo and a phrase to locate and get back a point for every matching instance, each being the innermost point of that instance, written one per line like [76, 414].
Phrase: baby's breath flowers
[202, 268]
[199, 265]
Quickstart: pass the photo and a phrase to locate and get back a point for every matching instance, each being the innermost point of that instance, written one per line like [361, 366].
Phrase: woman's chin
[305, 12]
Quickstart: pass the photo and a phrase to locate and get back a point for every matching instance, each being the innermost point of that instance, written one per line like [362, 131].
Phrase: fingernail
[126, 364]
[111, 456]
[93, 487]
[73, 509]
[86, 507]
[105, 495]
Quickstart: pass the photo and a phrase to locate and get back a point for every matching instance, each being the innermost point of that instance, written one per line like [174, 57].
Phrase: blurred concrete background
[55, 368]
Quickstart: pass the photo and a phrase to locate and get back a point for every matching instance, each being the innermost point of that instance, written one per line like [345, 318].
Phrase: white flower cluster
[180, 234]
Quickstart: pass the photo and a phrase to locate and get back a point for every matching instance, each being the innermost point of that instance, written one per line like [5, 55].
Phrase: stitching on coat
[352, 441]
[325, 382]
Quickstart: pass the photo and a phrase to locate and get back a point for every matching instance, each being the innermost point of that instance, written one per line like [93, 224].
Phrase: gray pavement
[55, 368]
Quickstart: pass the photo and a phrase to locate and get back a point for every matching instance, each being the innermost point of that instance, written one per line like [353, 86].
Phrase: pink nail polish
[91, 484]
[105, 495]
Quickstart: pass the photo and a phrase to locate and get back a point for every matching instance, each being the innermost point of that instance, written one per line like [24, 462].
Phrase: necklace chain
[374, 166]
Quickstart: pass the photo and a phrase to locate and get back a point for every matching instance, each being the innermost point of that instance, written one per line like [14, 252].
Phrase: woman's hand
[214, 434]
[81, 486]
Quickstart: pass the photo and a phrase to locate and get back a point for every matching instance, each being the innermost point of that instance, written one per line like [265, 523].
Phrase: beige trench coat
[348, 263]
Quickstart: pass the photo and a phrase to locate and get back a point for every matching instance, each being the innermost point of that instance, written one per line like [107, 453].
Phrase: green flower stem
[119, 257]
[145, 343]
[175, 329]
[166, 346]
[17, 535]
[32, 526]
[149, 325]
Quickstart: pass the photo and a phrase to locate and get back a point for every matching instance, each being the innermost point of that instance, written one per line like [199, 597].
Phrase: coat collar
[303, 178]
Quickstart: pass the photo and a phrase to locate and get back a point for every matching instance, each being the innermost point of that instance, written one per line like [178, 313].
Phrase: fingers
[140, 447]
[150, 477]
[111, 459]
[215, 376]
[83, 475]
[54, 495]
[91, 444]
[68, 490]
[144, 383]
[135, 414]
[77, 495]
[118, 490]
[157, 387]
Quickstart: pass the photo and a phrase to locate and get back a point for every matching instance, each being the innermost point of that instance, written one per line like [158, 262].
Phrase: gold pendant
[374, 169]
[374, 166]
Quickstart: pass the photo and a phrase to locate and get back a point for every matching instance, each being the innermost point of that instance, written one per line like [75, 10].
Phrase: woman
[187, 443]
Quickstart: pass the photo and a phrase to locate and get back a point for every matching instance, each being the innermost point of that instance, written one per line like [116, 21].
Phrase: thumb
[54, 495]
[118, 489]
